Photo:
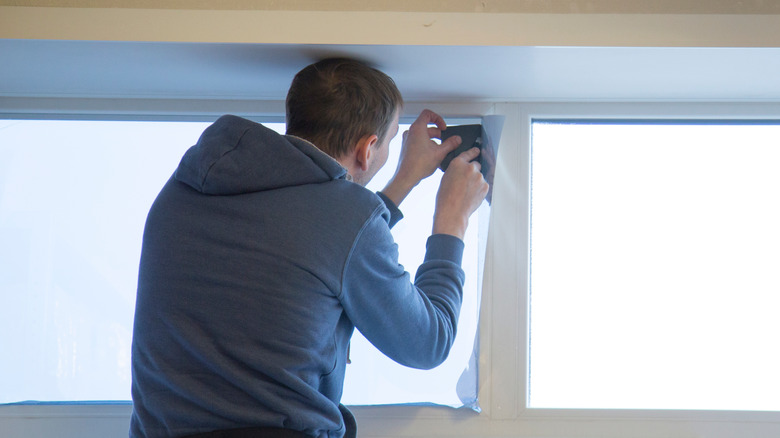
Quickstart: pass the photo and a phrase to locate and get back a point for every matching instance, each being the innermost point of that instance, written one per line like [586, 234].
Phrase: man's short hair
[337, 101]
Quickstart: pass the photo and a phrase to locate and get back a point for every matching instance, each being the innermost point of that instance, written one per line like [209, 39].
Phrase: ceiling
[100, 69]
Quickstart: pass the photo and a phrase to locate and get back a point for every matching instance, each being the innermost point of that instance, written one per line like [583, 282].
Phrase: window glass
[73, 201]
[655, 250]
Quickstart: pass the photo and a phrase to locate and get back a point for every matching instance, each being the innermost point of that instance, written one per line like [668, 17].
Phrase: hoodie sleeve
[395, 213]
[412, 323]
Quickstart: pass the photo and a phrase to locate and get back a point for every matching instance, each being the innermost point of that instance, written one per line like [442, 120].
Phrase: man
[263, 252]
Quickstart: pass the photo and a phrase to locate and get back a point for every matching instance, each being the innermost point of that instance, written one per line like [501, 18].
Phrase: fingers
[422, 132]
[428, 117]
[469, 155]
[475, 165]
[450, 144]
[461, 192]
[434, 132]
[468, 165]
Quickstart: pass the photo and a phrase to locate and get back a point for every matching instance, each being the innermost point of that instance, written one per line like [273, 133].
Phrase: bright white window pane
[73, 201]
[655, 252]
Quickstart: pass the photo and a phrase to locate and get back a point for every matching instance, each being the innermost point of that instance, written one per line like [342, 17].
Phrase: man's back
[258, 260]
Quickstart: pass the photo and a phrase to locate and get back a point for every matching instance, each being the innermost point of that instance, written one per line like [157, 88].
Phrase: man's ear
[364, 149]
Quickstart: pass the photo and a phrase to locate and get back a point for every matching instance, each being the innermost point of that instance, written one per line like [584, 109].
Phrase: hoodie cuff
[444, 247]
[395, 213]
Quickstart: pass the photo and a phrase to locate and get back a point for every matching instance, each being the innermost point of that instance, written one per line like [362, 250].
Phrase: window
[506, 392]
[74, 200]
[654, 258]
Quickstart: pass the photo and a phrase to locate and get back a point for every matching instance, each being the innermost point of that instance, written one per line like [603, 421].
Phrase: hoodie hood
[235, 156]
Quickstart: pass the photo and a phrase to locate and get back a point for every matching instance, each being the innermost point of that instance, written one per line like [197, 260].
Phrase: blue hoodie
[259, 259]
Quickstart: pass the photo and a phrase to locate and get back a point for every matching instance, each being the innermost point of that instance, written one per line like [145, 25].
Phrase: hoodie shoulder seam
[208, 171]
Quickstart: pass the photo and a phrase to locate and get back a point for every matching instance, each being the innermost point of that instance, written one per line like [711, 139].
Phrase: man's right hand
[461, 192]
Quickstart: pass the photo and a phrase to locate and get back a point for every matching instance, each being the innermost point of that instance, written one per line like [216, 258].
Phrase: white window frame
[503, 334]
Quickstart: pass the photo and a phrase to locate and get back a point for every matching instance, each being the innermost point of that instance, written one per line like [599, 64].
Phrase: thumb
[450, 144]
